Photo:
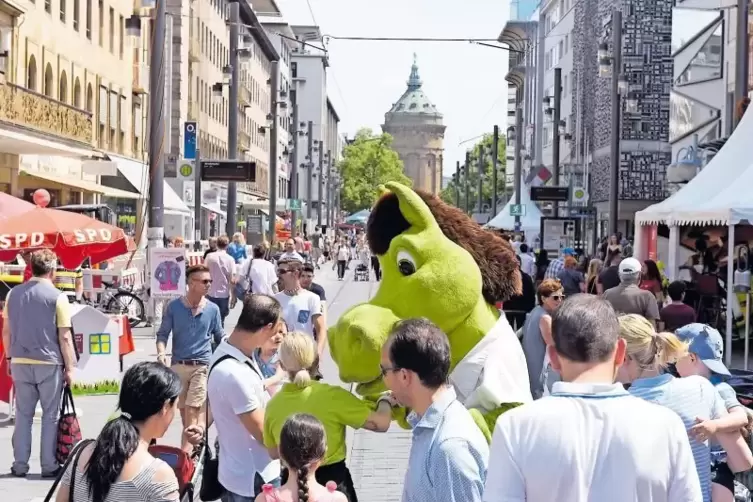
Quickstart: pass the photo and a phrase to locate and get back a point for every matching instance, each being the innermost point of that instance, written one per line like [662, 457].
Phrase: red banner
[650, 237]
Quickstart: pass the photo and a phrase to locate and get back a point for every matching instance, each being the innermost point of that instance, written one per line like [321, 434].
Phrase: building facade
[418, 130]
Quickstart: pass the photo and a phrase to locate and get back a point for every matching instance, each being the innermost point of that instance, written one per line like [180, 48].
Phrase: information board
[228, 170]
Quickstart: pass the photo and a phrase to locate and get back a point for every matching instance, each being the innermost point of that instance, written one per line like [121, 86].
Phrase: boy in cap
[704, 358]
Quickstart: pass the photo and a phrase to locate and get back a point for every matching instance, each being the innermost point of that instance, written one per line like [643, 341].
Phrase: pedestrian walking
[335, 407]
[118, 467]
[237, 248]
[537, 335]
[221, 270]
[291, 251]
[590, 440]
[628, 297]
[195, 324]
[38, 338]
[317, 243]
[257, 275]
[449, 454]
[343, 256]
[301, 309]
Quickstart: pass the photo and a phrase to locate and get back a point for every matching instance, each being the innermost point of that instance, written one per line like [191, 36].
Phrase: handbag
[69, 429]
[240, 290]
[72, 458]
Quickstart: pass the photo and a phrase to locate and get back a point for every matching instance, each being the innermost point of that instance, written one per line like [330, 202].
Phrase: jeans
[34, 383]
[341, 264]
[223, 304]
[258, 484]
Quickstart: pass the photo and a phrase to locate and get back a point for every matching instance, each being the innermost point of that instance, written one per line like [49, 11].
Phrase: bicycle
[119, 301]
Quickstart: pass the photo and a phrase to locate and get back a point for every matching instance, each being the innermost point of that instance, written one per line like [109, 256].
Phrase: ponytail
[302, 378]
[668, 349]
[303, 484]
[114, 446]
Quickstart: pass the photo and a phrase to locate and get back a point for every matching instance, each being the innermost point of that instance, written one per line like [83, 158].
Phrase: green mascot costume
[438, 264]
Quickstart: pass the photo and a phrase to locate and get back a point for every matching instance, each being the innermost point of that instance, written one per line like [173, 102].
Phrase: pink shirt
[221, 266]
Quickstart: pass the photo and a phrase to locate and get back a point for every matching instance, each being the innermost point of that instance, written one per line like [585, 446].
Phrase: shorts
[193, 381]
[722, 475]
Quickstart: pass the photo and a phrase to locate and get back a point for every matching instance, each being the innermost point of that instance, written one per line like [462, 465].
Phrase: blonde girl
[592, 276]
[648, 354]
[333, 406]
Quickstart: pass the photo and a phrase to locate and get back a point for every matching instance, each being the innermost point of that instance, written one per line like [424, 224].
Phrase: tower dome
[416, 125]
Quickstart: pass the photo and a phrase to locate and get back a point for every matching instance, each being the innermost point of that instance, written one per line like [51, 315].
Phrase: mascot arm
[486, 420]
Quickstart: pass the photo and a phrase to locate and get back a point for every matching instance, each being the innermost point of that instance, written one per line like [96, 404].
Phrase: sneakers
[16, 474]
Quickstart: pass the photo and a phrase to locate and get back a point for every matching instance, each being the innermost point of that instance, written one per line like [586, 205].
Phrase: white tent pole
[674, 249]
[730, 293]
[639, 253]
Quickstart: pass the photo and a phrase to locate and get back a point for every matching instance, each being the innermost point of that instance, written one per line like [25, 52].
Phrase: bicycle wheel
[128, 304]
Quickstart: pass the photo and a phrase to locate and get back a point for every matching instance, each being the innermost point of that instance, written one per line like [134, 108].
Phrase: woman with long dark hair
[651, 280]
[303, 445]
[117, 467]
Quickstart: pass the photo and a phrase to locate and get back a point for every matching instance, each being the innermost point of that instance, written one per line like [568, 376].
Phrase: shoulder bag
[72, 459]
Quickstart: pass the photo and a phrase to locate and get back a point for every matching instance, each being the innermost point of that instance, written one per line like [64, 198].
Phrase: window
[111, 31]
[62, 10]
[567, 43]
[77, 93]
[31, 74]
[48, 6]
[564, 85]
[101, 23]
[88, 19]
[75, 14]
[49, 81]
[63, 87]
[121, 37]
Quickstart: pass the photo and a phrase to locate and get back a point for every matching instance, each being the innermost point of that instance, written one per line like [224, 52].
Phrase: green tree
[368, 161]
[448, 194]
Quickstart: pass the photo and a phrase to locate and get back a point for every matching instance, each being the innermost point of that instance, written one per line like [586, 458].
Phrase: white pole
[730, 294]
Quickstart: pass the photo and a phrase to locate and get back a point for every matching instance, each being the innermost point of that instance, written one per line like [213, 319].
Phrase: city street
[377, 461]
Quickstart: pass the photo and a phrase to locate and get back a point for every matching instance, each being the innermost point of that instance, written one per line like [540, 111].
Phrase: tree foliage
[449, 193]
[369, 161]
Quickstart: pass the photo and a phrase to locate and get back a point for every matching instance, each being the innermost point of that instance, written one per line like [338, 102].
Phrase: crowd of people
[630, 395]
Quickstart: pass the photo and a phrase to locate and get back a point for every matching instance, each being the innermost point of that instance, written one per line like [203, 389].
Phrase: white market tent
[720, 194]
[530, 223]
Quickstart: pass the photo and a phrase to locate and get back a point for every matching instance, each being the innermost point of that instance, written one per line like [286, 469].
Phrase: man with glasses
[196, 326]
[301, 309]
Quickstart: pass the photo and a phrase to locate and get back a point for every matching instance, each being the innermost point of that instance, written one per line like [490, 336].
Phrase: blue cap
[568, 252]
[705, 342]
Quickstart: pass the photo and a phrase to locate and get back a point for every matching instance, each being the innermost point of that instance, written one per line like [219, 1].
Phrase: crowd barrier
[94, 279]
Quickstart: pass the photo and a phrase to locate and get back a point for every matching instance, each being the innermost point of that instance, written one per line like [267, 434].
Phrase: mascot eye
[405, 263]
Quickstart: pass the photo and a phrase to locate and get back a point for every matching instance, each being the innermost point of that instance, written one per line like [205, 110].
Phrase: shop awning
[137, 174]
[83, 185]
[215, 208]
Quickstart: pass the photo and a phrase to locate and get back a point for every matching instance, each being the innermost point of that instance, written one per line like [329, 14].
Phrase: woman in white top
[117, 467]
[342, 254]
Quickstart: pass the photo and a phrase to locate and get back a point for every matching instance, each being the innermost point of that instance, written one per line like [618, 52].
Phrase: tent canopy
[719, 194]
[530, 223]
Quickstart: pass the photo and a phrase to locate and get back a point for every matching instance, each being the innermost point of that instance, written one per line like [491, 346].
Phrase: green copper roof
[413, 100]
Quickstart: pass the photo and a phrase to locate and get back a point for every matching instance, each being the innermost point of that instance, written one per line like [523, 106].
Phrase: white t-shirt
[343, 253]
[263, 275]
[299, 310]
[528, 264]
[234, 389]
[589, 443]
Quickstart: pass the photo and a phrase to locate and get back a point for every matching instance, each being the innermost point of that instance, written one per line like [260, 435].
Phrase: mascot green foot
[486, 421]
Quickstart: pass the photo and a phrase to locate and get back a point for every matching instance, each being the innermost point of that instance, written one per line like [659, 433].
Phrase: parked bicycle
[117, 300]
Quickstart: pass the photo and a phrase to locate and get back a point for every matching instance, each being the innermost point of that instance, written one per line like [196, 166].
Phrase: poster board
[97, 340]
[168, 273]
[557, 234]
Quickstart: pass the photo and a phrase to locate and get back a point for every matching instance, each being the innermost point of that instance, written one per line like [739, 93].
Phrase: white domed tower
[418, 131]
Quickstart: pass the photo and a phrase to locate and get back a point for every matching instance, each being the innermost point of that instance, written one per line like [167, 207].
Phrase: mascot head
[437, 263]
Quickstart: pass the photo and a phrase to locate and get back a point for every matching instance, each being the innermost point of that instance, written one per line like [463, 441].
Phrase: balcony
[140, 78]
[244, 95]
[27, 108]
[244, 141]
[194, 50]
[193, 110]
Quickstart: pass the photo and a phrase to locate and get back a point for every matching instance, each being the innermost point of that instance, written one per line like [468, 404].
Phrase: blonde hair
[594, 267]
[651, 350]
[298, 355]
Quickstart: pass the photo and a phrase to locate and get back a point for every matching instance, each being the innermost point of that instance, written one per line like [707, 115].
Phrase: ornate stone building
[418, 131]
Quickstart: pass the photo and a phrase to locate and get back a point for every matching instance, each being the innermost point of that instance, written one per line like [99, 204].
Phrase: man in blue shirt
[196, 325]
[449, 453]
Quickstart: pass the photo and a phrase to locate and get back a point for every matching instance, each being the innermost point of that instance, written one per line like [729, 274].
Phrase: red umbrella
[72, 236]
[12, 206]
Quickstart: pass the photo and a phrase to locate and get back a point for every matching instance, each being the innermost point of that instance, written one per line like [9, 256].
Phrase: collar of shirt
[481, 385]
[588, 390]
[653, 381]
[196, 310]
[433, 415]
[41, 279]
[227, 348]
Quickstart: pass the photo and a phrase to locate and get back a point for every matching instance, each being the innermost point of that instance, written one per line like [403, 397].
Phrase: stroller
[361, 273]
[188, 468]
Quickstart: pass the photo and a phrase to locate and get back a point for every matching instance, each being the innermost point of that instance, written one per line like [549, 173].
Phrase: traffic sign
[580, 194]
[228, 170]
[293, 204]
[517, 210]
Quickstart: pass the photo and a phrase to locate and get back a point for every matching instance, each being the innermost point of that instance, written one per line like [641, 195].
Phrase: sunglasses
[206, 282]
[557, 298]
[282, 271]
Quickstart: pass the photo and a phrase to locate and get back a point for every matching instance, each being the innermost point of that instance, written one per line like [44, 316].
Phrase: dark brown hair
[195, 270]
[494, 256]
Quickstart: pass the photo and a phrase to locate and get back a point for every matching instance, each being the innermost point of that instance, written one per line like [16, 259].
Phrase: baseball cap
[705, 342]
[568, 252]
[630, 266]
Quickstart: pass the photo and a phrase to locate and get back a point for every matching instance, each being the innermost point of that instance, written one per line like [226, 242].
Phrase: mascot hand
[486, 421]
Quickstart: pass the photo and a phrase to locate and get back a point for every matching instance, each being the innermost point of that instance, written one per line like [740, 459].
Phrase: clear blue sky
[465, 81]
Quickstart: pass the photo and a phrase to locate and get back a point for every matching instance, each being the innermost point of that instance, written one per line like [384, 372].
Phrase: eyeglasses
[557, 298]
[384, 370]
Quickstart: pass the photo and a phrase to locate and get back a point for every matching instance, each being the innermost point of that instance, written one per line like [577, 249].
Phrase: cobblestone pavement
[377, 461]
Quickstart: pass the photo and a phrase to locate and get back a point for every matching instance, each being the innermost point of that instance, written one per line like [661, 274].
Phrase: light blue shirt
[449, 455]
[690, 397]
[192, 334]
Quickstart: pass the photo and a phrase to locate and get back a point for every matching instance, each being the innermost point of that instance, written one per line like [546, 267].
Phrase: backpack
[180, 461]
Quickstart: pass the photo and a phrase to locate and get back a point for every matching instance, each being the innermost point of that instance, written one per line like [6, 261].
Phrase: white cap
[630, 266]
